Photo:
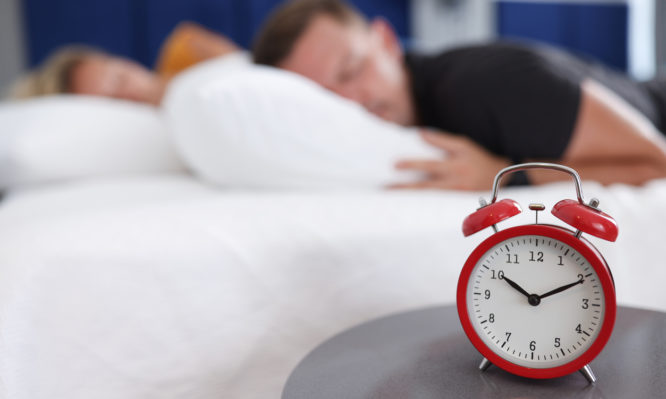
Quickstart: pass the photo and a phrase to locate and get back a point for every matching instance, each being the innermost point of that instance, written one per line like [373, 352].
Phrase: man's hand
[466, 166]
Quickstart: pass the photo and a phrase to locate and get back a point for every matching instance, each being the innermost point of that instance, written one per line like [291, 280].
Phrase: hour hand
[516, 286]
[560, 289]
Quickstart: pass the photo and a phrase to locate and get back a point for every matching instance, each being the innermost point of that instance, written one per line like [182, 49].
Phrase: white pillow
[209, 71]
[263, 127]
[64, 137]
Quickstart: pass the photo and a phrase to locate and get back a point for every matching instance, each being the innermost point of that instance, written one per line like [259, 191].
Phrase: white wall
[439, 24]
[642, 43]
[660, 31]
[11, 43]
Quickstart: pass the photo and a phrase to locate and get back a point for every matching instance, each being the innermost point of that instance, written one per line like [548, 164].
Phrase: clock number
[585, 303]
[508, 335]
[580, 277]
[500, 275]
[539, 256]
[557, 342]
[560, 263]
[532, 345]
[491, 317]
[515, 258]
[579, 330]
[487, 294]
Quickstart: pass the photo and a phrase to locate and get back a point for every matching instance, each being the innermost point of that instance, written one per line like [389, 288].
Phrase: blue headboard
[594, 28]
[136, 28]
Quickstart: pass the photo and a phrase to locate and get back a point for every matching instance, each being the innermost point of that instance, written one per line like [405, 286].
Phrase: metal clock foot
[588, 374]
[485, 363]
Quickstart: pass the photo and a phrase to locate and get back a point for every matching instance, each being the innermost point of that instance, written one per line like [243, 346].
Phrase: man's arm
[628, 171]
[611, 142]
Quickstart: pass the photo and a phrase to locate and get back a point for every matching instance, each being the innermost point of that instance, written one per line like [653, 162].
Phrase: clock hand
[532, 299]
[516, 286]
[560, 289]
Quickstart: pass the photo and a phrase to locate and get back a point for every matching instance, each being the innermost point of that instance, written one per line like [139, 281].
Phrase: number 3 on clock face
[537, 301]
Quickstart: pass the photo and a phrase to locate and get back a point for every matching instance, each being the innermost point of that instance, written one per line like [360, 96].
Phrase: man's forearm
[628, 171]
[612, 142]
[609, 128]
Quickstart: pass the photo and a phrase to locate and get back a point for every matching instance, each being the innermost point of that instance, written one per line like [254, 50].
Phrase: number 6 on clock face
[538, 300]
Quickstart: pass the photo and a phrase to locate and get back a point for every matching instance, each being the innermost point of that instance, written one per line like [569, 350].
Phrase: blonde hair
[53, 76]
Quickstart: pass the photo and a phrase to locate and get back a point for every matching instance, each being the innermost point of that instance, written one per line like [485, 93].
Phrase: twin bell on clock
[538, 300]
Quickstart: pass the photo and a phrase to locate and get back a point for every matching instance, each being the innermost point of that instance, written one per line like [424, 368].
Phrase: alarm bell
[585, 218]
[490, 215]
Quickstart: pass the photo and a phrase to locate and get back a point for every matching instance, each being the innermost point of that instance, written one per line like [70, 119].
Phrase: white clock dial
[535, 301]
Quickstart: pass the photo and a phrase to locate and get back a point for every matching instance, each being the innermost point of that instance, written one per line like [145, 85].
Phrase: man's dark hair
[287, 23]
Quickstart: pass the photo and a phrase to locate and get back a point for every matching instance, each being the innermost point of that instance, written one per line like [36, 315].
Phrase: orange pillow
[178, 53]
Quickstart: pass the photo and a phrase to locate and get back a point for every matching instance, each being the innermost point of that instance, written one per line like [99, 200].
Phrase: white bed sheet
[163, 287]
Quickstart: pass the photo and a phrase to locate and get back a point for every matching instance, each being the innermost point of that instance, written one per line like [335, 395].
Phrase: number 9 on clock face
[535, 301]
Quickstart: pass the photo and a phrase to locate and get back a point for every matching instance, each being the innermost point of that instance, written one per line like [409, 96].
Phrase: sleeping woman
[88, 71]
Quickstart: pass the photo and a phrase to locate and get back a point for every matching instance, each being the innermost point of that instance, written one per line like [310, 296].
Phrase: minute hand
[560, 289]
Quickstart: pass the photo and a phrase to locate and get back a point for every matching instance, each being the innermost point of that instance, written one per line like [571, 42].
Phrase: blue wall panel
[595, 29]
[136, 28]
[106, 24]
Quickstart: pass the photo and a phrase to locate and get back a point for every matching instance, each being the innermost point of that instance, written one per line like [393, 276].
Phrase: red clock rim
[584, 248]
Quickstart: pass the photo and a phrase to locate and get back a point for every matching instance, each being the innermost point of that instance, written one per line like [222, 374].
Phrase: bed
[163, 286]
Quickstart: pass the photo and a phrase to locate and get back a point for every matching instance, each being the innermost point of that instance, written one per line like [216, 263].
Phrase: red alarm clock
[538, 300]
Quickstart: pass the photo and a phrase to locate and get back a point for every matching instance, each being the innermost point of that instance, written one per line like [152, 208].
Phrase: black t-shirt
[517, 101]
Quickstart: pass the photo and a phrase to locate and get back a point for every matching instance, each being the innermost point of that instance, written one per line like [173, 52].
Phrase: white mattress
[165, 288]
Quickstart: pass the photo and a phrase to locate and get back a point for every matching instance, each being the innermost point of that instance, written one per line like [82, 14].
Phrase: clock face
[535, 301]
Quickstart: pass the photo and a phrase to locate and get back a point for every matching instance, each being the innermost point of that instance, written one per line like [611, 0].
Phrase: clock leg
[485, 363]
[588, 374]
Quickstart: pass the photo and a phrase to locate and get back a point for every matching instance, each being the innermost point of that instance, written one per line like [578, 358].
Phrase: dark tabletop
[425, 354]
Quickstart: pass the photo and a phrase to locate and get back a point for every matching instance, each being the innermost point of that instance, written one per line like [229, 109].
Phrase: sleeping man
[491, 105]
